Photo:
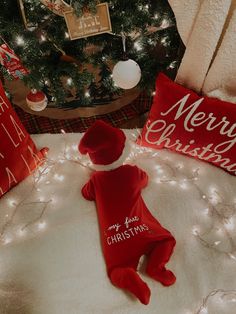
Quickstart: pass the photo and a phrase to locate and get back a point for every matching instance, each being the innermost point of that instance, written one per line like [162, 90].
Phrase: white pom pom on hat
[103, 143]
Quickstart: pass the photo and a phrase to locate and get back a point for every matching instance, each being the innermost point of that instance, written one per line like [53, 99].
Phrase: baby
[128, 229]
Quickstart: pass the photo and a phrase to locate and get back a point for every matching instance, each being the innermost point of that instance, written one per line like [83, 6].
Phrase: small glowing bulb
[195, 231]
[164, 40]
[69, 81]
[87, 94]
[156, 16]
[21, 232]
[12, 203]
[165, 23]
[53, 200]
[137, 46]
[153, 93]
[63, 131]
[67, 35]
[7, 240]
[42, 225]
[75, 147]
[183, 185]
[229, 225]
[59, 177]
[43, 38]
[172, 65]
[206, 211]
[204, 310]
[20, 41]
[232, 256]
[204, 196]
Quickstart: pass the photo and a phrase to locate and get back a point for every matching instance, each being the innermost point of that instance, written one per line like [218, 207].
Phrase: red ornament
[36, 100]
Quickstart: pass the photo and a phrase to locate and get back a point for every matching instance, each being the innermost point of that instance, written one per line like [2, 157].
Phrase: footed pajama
[128, 230]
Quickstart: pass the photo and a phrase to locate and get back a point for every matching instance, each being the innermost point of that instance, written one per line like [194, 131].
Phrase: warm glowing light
[137, 46]
[87, 94]
[165, 23]
[41, 225]
[232, 256]
[195, 230]
[7, 240]
[75, 147]
[20, 41]
[12, 202]
[164, 41]
[69, 81]
[230, 224]
[59, 177]
[183, 185]
[204, 310]
[21, 232]
[206, 211]
[43, 38]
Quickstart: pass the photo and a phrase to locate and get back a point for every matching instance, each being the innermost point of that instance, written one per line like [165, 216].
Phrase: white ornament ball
[36, 100]
[126, 74]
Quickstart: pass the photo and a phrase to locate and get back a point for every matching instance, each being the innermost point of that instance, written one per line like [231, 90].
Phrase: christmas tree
[76, 72]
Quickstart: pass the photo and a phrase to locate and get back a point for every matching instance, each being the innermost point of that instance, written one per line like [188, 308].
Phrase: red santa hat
[103, 143]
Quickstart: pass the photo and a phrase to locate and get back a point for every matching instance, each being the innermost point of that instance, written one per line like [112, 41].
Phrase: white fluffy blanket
[50, 256]
[208, 29]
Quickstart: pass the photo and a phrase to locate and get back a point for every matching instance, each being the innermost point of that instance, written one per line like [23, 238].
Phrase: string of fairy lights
[221, 213]
[137, 45]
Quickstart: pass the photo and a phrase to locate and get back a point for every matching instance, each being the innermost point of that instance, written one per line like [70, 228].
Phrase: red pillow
[18, 154]
[187, 123]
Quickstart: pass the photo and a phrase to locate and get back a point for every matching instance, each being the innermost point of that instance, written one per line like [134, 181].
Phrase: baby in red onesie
[128, 229]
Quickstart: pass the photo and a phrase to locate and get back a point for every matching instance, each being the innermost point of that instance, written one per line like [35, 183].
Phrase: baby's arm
[88, 191]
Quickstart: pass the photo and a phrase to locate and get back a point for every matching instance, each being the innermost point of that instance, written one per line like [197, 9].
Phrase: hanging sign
[89, 24]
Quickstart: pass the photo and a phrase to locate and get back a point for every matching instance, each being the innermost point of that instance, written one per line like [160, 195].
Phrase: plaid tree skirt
[36, 124]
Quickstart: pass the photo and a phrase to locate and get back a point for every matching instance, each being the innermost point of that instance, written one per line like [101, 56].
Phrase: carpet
[37, 124]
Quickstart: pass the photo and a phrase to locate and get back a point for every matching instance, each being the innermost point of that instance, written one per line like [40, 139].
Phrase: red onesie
[128, 230]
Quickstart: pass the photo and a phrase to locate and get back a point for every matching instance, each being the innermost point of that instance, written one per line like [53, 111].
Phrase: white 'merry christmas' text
[192, 120]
